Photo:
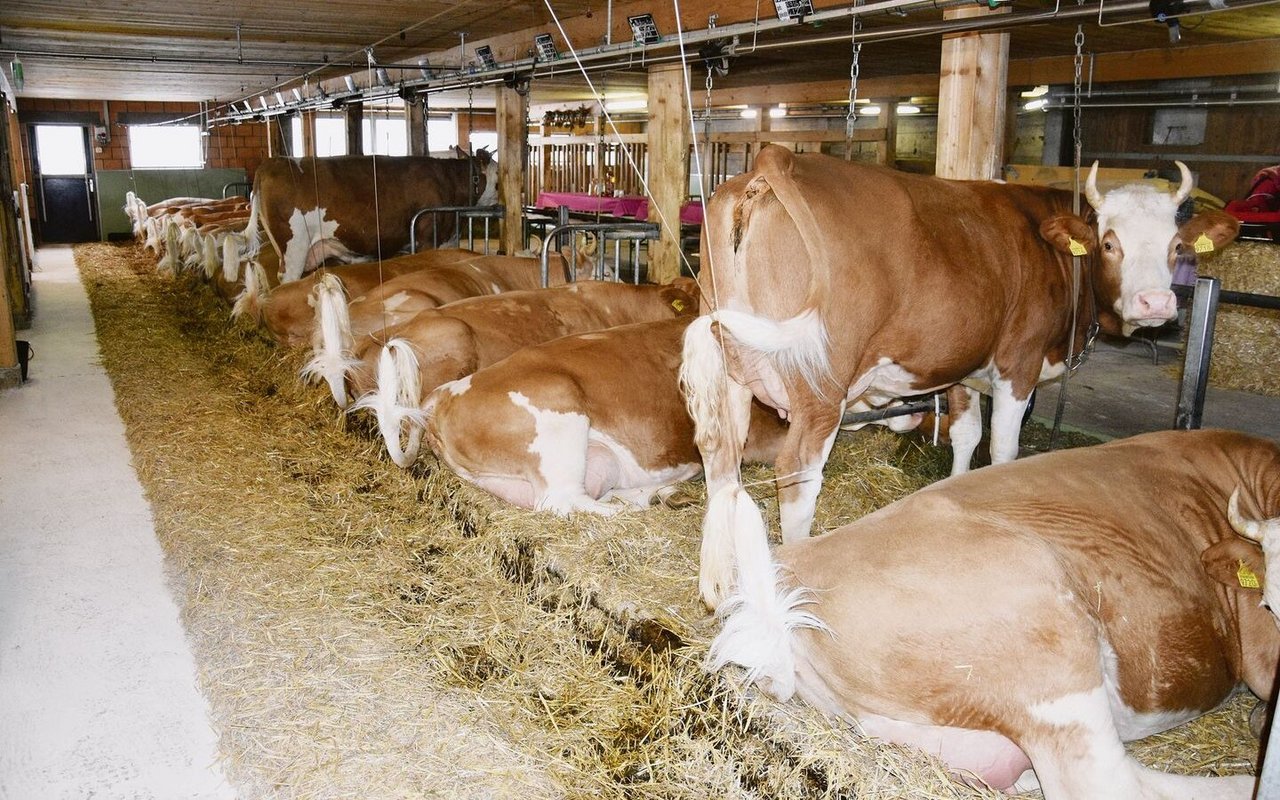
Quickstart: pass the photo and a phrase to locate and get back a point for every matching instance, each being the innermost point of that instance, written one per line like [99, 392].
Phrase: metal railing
[1206, 296]
[468, 213]
[247, 187]
[632, 233]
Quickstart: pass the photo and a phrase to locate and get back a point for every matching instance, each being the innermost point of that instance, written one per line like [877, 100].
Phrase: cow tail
[776, 166]
[702, 380]
[760, 619]
[253, 238]
[395, 401]
[231, 257]
[169, 262]
[332, 339]
[210, 258]
[253, 298]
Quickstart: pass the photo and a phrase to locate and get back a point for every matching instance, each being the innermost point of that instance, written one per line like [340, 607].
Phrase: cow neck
[1087, 293]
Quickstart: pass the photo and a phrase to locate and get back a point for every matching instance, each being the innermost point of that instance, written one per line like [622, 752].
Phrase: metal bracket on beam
[1195, 365]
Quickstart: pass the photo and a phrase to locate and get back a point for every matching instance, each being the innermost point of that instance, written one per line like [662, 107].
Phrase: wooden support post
[308, 123]
[668, 137]
[416, 111]
[512, 135]
[887, 150]
[971, 100]
[10, 375]
[354, 114]
[278, 136]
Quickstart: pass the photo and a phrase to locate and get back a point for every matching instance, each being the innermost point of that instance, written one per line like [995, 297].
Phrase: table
[635, 206]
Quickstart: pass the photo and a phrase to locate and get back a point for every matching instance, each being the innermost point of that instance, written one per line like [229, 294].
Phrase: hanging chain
[851, 114]
[706, 134]
[1075, 109]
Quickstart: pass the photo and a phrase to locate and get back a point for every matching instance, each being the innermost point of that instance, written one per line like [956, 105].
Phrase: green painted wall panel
[154, 185]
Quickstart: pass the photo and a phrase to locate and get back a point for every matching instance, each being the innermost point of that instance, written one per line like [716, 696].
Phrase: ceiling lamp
[749, 113]
[351, 83]
[15, 69]
[907, 108]
[1037, 105]
[297, 94]
[777, 112]
[632, 104]
[644, 30]
[869, 111]
[546, 47]
[1039, 91]
[792, 9]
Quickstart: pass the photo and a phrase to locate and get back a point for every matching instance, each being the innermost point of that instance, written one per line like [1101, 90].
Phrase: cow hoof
[677, 500]
[1258, 719]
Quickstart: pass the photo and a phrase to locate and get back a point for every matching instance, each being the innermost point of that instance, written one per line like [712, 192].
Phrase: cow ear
[484, 157]
[1220, 228]
[684, 303]
[1062, 229]
[1236, 563]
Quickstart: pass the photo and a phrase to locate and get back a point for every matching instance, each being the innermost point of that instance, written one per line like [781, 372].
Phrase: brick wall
[229, 146]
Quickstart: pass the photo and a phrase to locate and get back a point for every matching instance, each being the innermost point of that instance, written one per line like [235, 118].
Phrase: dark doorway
[65, 180]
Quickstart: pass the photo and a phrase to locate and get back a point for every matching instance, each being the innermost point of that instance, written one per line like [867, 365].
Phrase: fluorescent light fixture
[633, 104]
[777, 111]
[546, 47]
[383, 78]
[792, 9]
[263, 102]
[15, 69]
[907, 108]
[749, 113]
[424, 66]
[351, 83]
[868, 111]
[279, 99]
[644, 30]
[485, 54]
[1039, 91]
[297, 94]
[1036, 105]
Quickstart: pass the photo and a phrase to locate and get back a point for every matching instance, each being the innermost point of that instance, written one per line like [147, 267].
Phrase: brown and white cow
[835, 280]
[568, 425]
[288, 309]
[1036, 614]
[397, 300]
[318, 211]
[445, 344]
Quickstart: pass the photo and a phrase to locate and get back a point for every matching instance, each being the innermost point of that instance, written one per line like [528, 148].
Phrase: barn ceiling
[162, 50]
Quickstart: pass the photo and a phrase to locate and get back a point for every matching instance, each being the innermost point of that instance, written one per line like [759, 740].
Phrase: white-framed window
[442, 133]
[165, 146]
[331, 135]
[385, 136]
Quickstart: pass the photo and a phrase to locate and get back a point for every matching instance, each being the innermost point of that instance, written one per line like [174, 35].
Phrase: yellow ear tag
[1077, 249]
[677, 304]
[1247, 577]
[1203, 245]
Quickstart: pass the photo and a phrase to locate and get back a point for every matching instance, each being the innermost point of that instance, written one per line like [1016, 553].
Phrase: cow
[392, 374]
[287, 310]
[397, 300]
[318, 211]
[1035, 614]
[835, 280]
[568, 425]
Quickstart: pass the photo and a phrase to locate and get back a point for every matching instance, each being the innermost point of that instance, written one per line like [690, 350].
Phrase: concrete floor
[1119, 391]
[98, 696]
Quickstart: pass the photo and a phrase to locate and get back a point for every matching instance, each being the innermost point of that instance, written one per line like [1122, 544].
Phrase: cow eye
[1106, 246]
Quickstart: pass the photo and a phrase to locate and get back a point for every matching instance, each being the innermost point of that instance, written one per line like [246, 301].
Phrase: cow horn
[1184, 188]
[1091, 188]
[1250, 528]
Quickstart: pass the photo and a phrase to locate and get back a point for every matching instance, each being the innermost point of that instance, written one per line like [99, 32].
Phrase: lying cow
[288, 310]
[904, 284]
[448, 343]
[1032, 615]
[568, 425]
[399, 299]
[323, 210]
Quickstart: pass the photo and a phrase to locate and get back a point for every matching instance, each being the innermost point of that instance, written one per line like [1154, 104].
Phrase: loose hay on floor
[365, 631]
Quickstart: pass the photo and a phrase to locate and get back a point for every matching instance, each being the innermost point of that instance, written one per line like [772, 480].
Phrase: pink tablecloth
[634, 206]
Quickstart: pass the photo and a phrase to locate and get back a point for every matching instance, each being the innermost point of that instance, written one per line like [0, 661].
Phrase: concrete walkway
[1120, 392]
[97, 684]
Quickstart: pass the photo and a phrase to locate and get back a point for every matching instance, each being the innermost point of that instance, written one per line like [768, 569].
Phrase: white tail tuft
[169, 263]
[231, 257]
[396, 401]
[702, 380]
[152, 227]
[797, 345]
[210, 258]
[251, 301]
[760, 617]
[331, 340]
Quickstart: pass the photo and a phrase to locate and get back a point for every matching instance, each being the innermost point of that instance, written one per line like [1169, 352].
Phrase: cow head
[1137, 237]
[485, 175]
[1241, 565]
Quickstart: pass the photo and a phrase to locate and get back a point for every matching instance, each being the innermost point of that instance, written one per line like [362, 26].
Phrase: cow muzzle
[1152, 307]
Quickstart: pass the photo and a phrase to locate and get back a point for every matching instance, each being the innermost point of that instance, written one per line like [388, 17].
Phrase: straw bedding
[366, 631]
[1247, 340]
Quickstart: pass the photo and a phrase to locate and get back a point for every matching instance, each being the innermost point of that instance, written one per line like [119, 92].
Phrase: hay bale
[1246, 340]
[366, 631]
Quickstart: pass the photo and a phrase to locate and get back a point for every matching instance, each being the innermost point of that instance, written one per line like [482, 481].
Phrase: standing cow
[318, 211]
[1034, 614]
[832, 280]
